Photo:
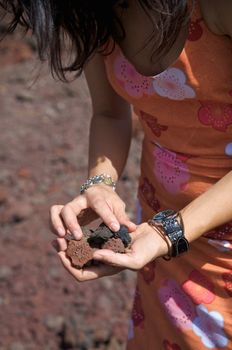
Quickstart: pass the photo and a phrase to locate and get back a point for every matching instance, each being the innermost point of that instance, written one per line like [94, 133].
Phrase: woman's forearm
[211, 209]
[109, 144]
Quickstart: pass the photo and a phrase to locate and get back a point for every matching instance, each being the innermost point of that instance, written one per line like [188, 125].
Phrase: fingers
[62, 244]
[124, 220]
[113, 214]
[104, 210]
[64, 218]
[69, 215]
[56, 222]
[59, 244]
[144, 248]
[87, 274]
[85, 209]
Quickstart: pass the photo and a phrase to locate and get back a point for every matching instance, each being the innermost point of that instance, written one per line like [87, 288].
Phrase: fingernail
[114, 226]
[61, 231]
[77, 234]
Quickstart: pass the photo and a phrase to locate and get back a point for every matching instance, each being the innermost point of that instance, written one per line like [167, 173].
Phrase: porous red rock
[114, 244]
[79, 252]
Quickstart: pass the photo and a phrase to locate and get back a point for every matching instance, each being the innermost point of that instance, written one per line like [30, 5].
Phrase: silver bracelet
[97, 179]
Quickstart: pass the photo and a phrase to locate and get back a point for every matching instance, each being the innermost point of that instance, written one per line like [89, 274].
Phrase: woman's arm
[211, 209]
[109, 142]
[110, 132]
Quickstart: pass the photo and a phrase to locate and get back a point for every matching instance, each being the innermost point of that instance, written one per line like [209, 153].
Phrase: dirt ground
[43, 161]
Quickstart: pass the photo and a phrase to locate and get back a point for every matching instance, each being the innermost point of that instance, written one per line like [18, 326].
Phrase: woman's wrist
[105, 179]
[163, 244]
[170, 227]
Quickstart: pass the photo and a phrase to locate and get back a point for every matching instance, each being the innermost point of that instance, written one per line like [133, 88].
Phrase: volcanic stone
[123, 235]
[81, 252]
[114, 244]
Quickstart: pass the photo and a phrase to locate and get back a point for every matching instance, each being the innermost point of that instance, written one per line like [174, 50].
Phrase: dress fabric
[186, 114]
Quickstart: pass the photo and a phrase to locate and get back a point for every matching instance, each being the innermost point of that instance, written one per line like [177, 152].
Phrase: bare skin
[111, 116]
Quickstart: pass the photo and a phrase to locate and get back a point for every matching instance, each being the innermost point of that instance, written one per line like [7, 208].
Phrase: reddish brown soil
[43, 159]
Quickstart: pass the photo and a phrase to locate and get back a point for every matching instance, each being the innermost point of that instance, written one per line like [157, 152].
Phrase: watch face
[163, 215]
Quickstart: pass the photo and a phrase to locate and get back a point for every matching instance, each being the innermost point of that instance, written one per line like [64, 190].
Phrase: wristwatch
[167, 221]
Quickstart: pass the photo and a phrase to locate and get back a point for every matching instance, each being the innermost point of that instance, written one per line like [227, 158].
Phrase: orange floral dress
[186, 114]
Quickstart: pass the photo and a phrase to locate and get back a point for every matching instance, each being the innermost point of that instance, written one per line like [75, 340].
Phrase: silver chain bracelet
[97, 179]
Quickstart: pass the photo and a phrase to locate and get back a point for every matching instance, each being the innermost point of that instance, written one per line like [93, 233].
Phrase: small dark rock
[75, 334]
[24, 96]
[17, 346]
[5, 273]
[16, 212]
[124, 235]
[54, 323]
[101, 235]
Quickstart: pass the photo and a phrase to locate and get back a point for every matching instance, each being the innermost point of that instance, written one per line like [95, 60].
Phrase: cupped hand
[147, 245]
[84, 274]
[97, 201]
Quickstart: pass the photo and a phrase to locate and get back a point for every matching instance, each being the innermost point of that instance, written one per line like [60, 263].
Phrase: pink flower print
[135, 84]
[222, 232]
[227, 278]
[130, 330]
[228, 149]
[222, 246]
[152, 123]
[172, 84]
[170, 346]
[177, 304]
[195, 30]
[170, 169]
[148, 192]
[199, 288]
[209, 327]
[217, 115]
[137, 310]
[148, 272]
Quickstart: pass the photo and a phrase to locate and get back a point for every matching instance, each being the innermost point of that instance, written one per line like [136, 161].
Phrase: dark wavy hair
[86, 26]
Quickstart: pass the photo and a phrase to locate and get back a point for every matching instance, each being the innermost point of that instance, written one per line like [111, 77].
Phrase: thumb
[114, 259]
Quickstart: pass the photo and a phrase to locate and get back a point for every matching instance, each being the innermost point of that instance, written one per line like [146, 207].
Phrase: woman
[171, 60]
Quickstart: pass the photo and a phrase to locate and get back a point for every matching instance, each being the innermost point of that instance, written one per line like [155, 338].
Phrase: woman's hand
[85, 274]
[147, 245]
[97, 201]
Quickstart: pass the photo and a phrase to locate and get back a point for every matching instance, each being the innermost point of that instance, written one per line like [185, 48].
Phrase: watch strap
[171, 223]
